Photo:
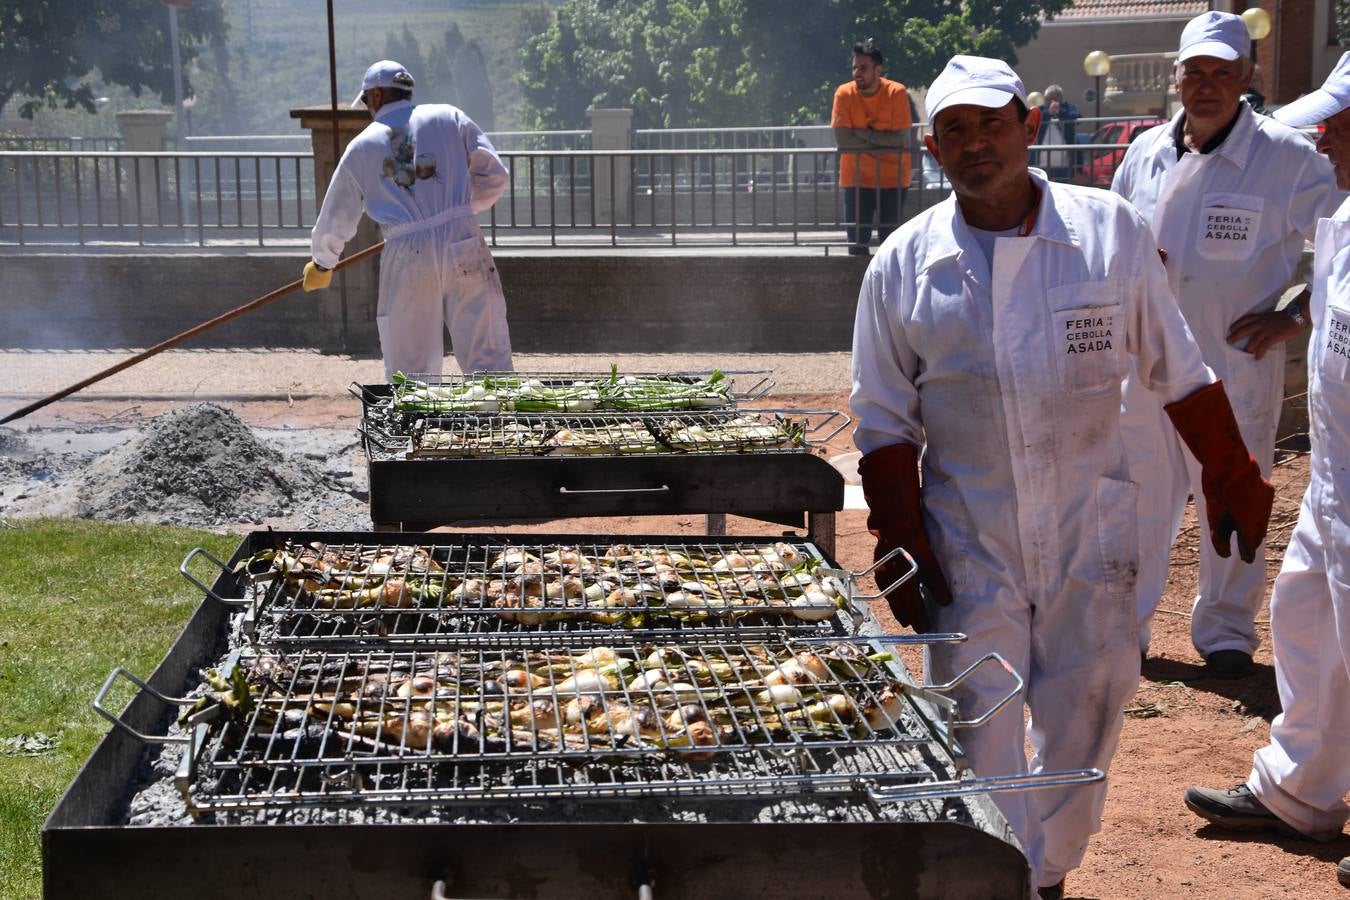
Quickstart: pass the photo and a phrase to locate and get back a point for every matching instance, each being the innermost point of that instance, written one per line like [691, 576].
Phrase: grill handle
[987, 714]
[225, 570]
[368, 433]
[358, 390]
[101, 697]
[992, 785]
[872, 598]
[438, 891]
[757, 390]
[568, 492]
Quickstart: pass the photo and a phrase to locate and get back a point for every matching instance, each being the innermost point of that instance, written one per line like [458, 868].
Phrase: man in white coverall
[1299, 781]
[1231, 196]
[994, 330]
[421, 172]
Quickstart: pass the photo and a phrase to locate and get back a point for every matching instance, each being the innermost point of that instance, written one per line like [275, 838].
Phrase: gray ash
[199, 465]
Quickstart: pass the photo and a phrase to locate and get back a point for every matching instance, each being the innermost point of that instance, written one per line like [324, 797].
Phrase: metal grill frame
[887, 779]
[274, 615]
[611, 433]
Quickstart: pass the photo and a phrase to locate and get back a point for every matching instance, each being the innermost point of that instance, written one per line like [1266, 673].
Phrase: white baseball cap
[974, 80]
[384, 74]
[1218, 34]
[1323, 103]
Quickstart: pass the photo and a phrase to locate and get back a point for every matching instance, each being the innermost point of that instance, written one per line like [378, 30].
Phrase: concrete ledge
[556, 303]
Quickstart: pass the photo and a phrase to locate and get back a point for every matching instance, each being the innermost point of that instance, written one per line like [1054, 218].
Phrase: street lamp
[1098, 65]
[1035, 99]
[1257, 21]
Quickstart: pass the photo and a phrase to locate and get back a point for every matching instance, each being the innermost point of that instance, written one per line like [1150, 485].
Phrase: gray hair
[1054, 92]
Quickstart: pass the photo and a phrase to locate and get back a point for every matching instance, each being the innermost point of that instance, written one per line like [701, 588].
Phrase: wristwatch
[1297, 315]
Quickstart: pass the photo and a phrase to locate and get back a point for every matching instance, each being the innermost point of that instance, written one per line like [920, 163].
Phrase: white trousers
[440, 277]
[1303, 774]
[1230, 591]
[1077, 653]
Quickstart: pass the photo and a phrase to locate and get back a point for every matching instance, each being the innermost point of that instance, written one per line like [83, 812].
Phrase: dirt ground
[1182, 728]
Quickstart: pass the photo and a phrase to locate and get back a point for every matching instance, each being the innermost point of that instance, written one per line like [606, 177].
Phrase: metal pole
[333, 102]
[179, 116]
[1098, 79]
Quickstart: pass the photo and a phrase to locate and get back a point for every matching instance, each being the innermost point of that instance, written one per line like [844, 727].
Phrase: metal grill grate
[324, 592]
[717, 719]
[619, 434]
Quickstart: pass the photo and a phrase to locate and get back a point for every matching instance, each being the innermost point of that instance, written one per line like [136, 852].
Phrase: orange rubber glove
[890, 482]
[1237, 498]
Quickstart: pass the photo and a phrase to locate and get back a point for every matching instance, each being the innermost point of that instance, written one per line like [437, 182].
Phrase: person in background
[1232, 196]
[1299, 780]
[871, 113]
[1253, 95]
[1059, 125]
[991, 335]
[422, 172]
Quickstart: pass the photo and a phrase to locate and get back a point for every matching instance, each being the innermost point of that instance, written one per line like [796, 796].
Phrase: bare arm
[870, 139]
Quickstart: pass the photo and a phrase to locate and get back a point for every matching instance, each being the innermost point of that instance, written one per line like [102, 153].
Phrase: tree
[733, 62]
[50, 49]
[1343, 22]
[473, 86]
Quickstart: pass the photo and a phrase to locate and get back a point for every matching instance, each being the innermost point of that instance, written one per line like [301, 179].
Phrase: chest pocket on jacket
[1229, 226]
[1087, 336]
[1335, 349]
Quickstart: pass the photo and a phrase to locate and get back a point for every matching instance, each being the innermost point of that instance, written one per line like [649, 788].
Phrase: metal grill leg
[820, 528]
[717, 524]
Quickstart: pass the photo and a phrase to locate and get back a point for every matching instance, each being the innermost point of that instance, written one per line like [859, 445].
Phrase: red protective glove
[1237, 498]
[890, 482]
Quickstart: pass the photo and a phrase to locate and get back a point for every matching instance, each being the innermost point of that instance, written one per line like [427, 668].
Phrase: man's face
[1211, 88]
[866, 73]
[982, 150]
[1335, 143]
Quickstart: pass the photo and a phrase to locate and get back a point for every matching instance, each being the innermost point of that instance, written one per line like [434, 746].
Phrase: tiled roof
[1119, 9]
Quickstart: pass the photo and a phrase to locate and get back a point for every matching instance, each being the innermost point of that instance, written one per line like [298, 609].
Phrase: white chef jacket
[1233, 223]
[1011, 379]
[463, 173]
[1304, 773]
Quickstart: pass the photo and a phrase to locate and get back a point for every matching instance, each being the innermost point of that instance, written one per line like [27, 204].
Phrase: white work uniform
[1233, 222]
[1304, 773]
[1012, 380]
[423, 172]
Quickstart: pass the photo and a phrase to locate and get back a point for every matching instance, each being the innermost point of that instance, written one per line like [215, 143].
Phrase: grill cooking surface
[716, 719]
[481, 588]
[618, 434]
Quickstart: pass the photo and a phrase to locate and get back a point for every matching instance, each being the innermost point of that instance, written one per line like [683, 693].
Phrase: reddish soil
[1182, 728]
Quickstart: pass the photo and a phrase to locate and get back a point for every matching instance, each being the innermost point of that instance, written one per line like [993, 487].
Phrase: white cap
[1218, 34]
[1323, 103]
[973, 80]
[384, 74]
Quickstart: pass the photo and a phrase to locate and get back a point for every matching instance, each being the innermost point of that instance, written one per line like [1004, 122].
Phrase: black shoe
[1229, 664]
[1236, 809]
[1343, 871]
[1053, 892]
[857, 251]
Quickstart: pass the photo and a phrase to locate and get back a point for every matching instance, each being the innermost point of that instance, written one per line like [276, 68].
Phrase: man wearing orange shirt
[871, 113]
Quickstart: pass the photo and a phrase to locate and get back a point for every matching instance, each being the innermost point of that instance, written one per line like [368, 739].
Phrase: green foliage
[76, 599]
[49, 48]
[683, 63]
[451, 71]
[1343, 22]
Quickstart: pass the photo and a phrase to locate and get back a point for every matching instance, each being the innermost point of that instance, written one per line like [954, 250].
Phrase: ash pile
[201, 466]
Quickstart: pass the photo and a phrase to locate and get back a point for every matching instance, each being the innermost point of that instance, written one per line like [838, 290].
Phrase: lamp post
[1098, 65]
[1257, 21]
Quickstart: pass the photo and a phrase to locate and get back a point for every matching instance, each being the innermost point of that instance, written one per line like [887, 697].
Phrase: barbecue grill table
[836, 833]
[792, 487]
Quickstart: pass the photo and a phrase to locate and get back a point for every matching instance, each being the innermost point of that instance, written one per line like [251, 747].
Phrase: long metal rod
[184, 336]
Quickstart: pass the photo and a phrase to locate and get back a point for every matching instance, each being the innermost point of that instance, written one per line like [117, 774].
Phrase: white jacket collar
[389, 109]
[1235, 148]
[949, 236]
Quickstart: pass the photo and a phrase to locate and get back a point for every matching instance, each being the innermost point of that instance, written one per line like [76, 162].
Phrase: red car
[1101, 164]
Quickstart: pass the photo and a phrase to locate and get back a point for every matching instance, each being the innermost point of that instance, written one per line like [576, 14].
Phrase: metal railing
[55, 144]
[688, 197]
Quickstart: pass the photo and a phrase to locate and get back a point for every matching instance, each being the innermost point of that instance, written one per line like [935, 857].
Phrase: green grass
[76, 599]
